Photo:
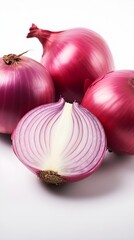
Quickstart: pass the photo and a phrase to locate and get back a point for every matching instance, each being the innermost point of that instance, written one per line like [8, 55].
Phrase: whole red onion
[24, 84]
[111, 99]
[74, 58]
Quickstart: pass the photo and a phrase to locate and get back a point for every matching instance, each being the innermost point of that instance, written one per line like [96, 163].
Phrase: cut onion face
[60, 142]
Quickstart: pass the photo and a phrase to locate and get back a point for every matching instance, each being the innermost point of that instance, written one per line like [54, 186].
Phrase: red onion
[111, 99]
[74, 59]
[60, 142]
[24, 84]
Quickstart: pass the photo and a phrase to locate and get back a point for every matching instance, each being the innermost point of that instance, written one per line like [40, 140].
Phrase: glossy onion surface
[111, 100]
[74, 59]
[24, 84]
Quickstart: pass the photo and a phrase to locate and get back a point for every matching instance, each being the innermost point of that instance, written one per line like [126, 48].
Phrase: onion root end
[51, 177]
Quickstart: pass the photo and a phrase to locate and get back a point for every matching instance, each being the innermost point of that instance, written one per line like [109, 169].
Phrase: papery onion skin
[60, 142]
[24, 84]
[111, 100]
[74, 58]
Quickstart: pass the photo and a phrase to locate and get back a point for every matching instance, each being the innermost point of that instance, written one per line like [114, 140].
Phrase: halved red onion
[60, 142]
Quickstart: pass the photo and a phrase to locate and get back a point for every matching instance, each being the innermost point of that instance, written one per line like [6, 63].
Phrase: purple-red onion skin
[111, 100]
[23, 86]
[74, 58]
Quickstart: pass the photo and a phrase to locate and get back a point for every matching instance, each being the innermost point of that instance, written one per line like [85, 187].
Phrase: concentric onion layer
[60, 138]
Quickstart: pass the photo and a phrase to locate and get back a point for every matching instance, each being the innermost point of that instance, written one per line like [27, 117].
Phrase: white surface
[101, 206]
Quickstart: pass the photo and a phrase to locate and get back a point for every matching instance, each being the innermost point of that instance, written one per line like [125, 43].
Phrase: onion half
[60, 142]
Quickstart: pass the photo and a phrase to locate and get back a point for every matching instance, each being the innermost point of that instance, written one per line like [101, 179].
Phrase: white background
[101, 207]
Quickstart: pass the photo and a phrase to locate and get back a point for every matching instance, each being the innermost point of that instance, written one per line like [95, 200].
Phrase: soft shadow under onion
[106, 180]
[5, 138]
